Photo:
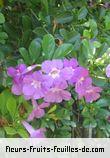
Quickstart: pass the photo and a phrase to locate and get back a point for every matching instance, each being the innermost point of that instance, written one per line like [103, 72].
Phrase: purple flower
[55, 71]
[13, 72]
[39, 133]
[82, 84]
[34, 85]
[20, 70]
[70, 63]
[48, 66]
[17, 72]
[17, 88]
[17, 75]
[108, 71]
[79, 74]
[38, 111]
[57, 93]
[91, 94]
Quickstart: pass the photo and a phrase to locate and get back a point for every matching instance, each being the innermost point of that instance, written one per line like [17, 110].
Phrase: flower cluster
[51, 82]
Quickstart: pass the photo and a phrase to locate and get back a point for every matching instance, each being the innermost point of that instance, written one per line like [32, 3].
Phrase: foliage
[32, 31]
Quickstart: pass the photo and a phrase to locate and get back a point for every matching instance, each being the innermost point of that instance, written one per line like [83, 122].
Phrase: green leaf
[4, 96]
[64, 18]
[26, 21]
[45, 3]
[3, 37]
[87, 50]
[107, 22]
[24, 54]
[82, 13]
[51, 125]
[93, 27]
[10, 130]
[22, 132]
[86, 112]
[26, 38]
[34, 49]
[89, 123]
[99, 82]
[11, 106]
[48, 45]
[103, 102]
[103, 113]
[69, 123]
[97, 44]
[63, 51]
[2, 18]
[2, 133]
[39, 31]
[52, 109]
[70, 37]
[64, 33]
[87, 34]
[1, 55]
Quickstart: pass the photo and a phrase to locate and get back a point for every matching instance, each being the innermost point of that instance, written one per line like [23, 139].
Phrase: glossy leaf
[82, 13]
[34, 50]
[25, 54]
[2, 18]
[48, 46]
[63, 50]
[12, 106]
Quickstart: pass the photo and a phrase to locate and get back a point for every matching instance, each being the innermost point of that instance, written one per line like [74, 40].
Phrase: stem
[90, 132]
[72, 129]
[74, 108]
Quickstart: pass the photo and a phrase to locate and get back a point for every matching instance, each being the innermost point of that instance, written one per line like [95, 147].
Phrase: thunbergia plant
[61, 95]
[51, 83]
